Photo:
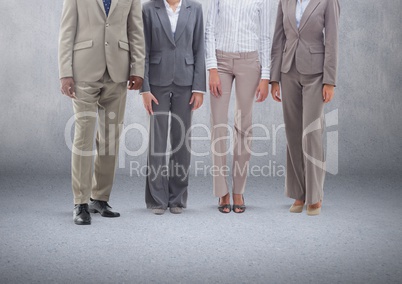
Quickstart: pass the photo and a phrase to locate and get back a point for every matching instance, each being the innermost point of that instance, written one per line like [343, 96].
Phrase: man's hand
[67, 87]
[328, 92]
[147, 99]
[276, 92]
[196, 99]
[135, 83]
[262, 90]
[215, 86]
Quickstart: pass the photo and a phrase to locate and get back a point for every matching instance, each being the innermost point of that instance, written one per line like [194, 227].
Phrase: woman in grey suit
[173, 87]
[304, 61]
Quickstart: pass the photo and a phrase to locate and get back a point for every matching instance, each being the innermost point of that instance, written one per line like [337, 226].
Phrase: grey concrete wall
[33, 113]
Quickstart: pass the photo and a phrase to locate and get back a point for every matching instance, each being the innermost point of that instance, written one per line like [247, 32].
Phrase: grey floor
[357, 239]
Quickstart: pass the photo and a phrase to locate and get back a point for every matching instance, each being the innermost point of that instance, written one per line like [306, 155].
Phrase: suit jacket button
[106, 43]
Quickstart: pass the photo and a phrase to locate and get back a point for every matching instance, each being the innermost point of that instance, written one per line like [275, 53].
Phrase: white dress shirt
[300, 8]
[173, 15]
[239, 26]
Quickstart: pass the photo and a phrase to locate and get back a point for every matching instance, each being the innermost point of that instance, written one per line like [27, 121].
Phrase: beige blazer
[89, 41]
[313, 46]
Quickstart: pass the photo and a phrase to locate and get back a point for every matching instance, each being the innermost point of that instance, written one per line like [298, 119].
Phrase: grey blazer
[313, 50]
[179, 59]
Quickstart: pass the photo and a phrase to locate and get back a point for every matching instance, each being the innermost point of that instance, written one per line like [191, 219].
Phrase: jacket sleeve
[331, 42]
[68, 30]
[277, 46]
[147, 34]
[136, 40]
[199, 81]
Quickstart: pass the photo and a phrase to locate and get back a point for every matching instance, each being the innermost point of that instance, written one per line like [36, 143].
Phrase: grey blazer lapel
[100, 2]
[307, 13]
[292, 14]
[184, 15]
[113, 6]
[164, 18]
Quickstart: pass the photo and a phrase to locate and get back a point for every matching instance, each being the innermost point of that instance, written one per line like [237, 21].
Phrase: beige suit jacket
[90, 42]
[313, 46]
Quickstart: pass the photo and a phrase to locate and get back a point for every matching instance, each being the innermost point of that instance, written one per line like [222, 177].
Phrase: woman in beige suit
[304, 64]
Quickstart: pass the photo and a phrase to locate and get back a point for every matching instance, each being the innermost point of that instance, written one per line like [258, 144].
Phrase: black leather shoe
[102, 207]
[81, 214]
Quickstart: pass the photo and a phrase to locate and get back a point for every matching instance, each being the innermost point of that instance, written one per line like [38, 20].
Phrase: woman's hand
[276, 92]
[147, 99]
[215, 86]
[197, 99]
[328, 92]
[262, 91]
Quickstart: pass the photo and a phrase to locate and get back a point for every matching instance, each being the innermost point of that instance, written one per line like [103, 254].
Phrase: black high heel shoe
[222, 208]
[241, 208]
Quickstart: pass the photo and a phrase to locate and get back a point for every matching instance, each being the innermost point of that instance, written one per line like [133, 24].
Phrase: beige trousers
[245, 69]
[103, 102]
[303, 109]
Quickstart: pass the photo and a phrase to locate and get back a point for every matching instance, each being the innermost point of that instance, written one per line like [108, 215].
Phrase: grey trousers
[166, 183]
[101, 102]
[303, 109]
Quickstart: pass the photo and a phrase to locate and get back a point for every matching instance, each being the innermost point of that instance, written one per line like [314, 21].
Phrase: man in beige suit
[304, 61]
[101, 47]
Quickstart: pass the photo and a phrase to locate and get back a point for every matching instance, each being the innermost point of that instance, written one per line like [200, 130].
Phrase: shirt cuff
[196, 91]
[265, 73]
[211, 63]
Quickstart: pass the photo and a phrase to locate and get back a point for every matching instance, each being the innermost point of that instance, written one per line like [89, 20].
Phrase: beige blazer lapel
[312, 5]
[100, 2]
[292, 14]
[184, 15]
[113, 6]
